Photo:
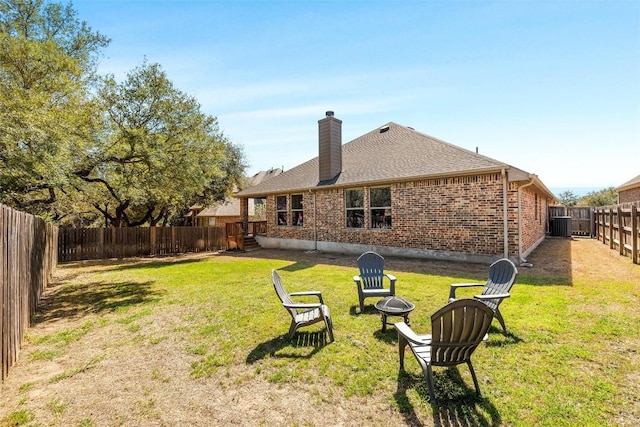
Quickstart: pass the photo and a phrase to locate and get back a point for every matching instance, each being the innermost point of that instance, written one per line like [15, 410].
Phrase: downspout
[520, 217]
[505, 215]
[315, 224]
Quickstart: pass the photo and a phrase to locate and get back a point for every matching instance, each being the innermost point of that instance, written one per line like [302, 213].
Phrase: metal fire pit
[394, 306]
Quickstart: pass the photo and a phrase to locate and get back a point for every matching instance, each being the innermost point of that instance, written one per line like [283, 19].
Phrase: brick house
[401, 192]
[629, 191]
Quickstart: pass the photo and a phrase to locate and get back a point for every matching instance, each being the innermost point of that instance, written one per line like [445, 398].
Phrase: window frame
[350, 211]
[297, 213]
[386, 211]
[282, 214]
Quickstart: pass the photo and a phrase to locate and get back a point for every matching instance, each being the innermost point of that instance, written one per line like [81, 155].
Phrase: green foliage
[157, 154]
[567, 198]
[605, 197]
[47, 62]
[19, 418]
[83, 150]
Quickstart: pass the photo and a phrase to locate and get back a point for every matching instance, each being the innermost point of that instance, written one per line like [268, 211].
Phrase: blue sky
[550, 87]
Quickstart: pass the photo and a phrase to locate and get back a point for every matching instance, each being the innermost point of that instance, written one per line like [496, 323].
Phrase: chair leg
[501, 320]
[429, 377]
[361, 305]
[473, 375]
[402, 346]
[329, 324]
[292, 329]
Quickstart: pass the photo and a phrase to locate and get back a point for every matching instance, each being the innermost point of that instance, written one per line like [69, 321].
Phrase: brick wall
[632, 195]
[463, 214]
[534, 209]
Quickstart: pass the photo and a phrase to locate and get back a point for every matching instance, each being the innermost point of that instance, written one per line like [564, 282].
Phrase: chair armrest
[356, 279]
[466, 285]
[404, 330]
[316, 305]
[454, 286]
[308, 293]
[392, 283]
[494, 296]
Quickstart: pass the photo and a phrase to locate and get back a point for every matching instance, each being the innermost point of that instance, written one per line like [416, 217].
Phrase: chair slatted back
[457, 329]
[371, 267]
[502, 275]
[282, 294]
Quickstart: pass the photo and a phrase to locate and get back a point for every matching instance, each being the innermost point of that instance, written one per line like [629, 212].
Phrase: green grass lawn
[571, 357]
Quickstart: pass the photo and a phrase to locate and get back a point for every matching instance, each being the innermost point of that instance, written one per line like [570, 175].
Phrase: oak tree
[47, 66]
[157, 154]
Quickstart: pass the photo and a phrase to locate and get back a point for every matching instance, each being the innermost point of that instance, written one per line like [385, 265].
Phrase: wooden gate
[581, 219]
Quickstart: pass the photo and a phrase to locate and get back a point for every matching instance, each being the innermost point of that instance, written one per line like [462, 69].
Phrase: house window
[281, 210]
[380, 206]
[354, 205]
[296, 210]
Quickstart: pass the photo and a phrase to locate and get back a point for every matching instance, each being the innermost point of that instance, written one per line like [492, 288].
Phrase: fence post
[620, 231]
[152, 241]
[610, 228]
[634, 234]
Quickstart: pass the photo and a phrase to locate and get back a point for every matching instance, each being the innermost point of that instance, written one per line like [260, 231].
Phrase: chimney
[329, 147]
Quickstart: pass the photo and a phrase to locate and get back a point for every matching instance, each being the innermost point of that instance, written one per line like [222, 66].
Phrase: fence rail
[619, 227]
[76, 244]
[27, 259]
[582, 219]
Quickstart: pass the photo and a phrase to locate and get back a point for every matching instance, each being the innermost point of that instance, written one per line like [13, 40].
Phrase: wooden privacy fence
[619, 227]
[28, 249]
[581, 220]
[76, 244]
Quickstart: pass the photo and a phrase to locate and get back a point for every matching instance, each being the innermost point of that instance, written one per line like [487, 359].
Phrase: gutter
[315, 221]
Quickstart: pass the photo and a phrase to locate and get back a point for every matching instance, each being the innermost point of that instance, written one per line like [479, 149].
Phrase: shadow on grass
[297, 266]
[551, 264]
[389, 335]
[303, 345]
[498, 339]
[354, 310]
[94, 297]
[113, 264]
[457, 403]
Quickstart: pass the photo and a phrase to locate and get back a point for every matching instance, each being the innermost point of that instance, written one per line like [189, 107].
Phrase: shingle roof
[397, 154]
[230, 207]
[264, 175]
[632, 183]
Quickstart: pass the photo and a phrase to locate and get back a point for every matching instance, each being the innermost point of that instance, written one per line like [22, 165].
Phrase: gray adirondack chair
[502, 276]
[456, 331]
[302, 314]
[371, 281]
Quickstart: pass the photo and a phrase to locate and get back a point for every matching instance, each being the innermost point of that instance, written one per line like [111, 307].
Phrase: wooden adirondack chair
[302, 314]
[456, 331]
[371, 281]
[502, 276]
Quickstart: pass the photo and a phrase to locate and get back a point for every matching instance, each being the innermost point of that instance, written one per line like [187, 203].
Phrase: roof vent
[383, 129]
[329, 113]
